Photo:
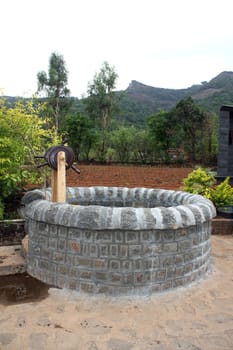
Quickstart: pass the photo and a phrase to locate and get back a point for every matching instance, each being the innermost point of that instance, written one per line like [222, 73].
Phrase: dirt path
[199, 317]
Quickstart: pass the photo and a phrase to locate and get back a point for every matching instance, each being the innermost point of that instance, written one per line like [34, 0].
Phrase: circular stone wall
[118, 240]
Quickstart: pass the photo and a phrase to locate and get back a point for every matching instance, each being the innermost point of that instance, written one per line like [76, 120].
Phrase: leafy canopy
[101, 101]
[22, 136]
[54, 86]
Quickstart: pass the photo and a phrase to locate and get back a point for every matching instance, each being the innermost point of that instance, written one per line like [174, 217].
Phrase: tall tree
[209, 142]
[191, 119]
[101, 100]
[54, 85]
[164, 132]
[81, 135]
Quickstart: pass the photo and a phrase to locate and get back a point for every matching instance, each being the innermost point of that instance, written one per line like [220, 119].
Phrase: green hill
[139, 101]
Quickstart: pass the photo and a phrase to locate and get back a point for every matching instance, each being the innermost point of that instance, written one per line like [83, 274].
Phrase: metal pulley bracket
[52, 152]
[50, 156]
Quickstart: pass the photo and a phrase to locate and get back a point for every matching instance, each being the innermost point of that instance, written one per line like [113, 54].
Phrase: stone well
[118, 241]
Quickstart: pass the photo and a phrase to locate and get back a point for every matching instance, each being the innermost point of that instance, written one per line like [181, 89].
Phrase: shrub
[23, 134]
[222, 194]
[198, 181]
[202, 182]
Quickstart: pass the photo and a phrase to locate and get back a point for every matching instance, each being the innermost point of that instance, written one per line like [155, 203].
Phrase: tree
[210, 138]
[22, 136]
[143, 147]
[191, 119]
[101, 101]
[163, 131]
[54, 85]
[81, 135]
[122, 141]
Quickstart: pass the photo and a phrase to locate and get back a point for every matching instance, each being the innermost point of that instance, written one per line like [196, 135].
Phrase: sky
[162, 43]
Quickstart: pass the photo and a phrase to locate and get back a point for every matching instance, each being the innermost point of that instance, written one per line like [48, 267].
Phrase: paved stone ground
[199, 317]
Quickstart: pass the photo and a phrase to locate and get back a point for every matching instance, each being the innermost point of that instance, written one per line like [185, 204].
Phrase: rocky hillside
[140, 100]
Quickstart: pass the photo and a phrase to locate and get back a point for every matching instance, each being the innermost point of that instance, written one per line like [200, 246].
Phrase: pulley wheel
[52, 152]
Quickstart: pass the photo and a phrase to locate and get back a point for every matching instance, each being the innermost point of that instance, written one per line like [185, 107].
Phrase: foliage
[222, 194]
[207, 142]
[164, 132]
[81, 135]
[122, 140]
[140, 101]
[143, 147]
[198, 181]
[54, 85]
[22, 136]
[132, 110]
[1, 209]
[191, 120]
[202, 182]
[101, 101]
[186, 131]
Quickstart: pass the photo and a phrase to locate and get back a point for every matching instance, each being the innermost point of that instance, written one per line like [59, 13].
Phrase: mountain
[140, 100]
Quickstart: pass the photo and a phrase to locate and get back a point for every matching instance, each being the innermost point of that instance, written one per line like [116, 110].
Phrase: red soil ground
[128, 176]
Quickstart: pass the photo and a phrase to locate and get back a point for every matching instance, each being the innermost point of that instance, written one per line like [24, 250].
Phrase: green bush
[202, 182]
[222, 194]
[23, 134]
[198, 181]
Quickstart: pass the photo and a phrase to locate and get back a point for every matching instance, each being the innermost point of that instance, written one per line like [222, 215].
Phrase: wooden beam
[61, 177]
[54, 185]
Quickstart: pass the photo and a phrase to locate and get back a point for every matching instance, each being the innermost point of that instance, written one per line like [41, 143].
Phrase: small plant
[202, 182]
[222, 194]
[198, 181]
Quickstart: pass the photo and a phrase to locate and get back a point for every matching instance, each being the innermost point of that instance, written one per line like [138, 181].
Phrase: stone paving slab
[11, 260]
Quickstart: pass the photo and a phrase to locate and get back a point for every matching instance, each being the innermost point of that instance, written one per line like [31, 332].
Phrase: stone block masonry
[159, 241]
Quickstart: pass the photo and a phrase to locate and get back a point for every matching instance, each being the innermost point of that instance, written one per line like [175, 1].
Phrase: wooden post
[59, 179]
[54, 185]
